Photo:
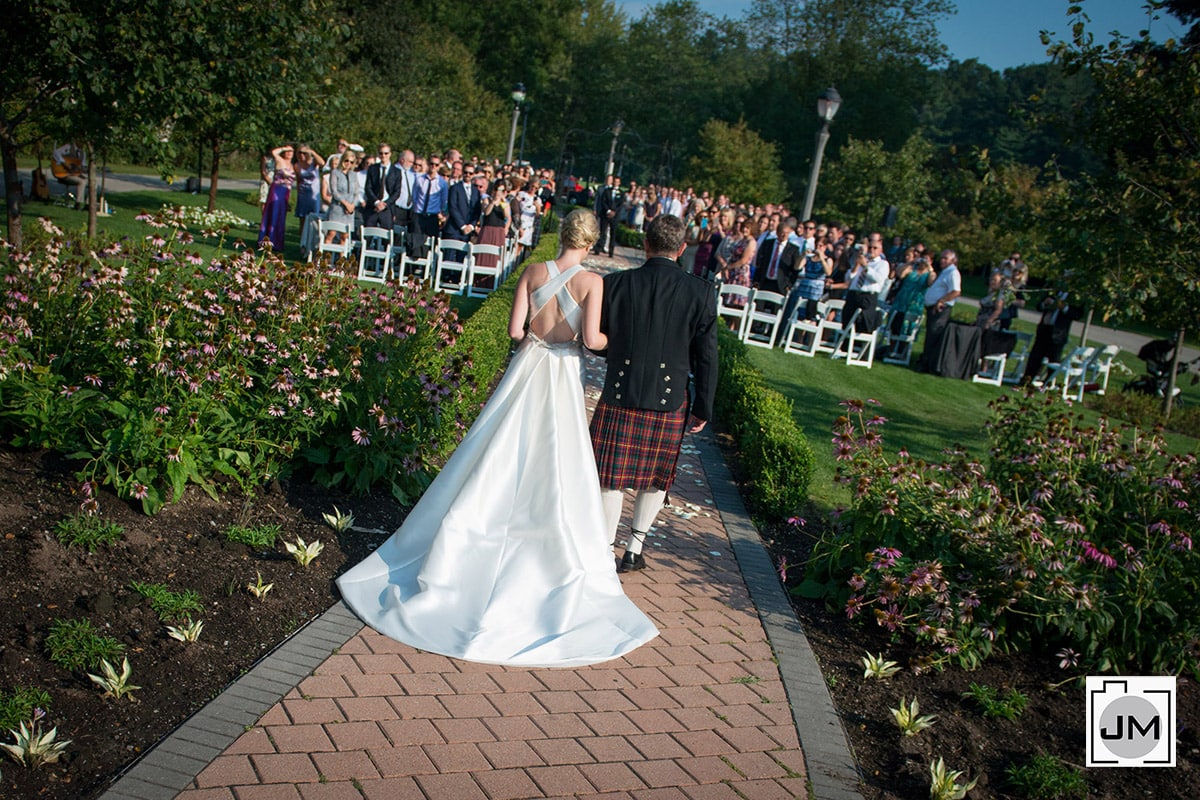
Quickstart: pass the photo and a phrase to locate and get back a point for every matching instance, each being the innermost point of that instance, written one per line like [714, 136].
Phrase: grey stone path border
[831, 768]
[171, 765]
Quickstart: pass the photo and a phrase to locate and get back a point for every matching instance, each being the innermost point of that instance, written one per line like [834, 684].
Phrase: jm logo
[1131, 722]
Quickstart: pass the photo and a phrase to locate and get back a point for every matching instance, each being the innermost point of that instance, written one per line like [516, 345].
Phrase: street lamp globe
[518, 93]
[827, 104]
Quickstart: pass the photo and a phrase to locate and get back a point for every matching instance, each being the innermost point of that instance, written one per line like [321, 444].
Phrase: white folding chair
[835, 335]
[419, 268]
[1061, 374]
[900, 346]
[763, 318]
[1015, 366]
[727, 295]
[991, 369]
[801, 337]
[860, 348]
[374, 253]
[445, 269]
[1096, 374]
[338, 250]
[490, 273]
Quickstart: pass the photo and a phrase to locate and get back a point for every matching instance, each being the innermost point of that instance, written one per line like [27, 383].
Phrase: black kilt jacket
[661, 324]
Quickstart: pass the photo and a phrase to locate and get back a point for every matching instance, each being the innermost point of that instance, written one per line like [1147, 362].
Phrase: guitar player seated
[66, 163]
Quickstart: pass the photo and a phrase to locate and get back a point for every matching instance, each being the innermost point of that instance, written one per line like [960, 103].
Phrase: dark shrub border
[774, 452]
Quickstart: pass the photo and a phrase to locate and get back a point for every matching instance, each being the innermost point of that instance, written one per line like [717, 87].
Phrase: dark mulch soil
[183, 548]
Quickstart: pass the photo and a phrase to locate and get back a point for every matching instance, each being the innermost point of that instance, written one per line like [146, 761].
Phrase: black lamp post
[518, 97]
[827, 107]
[617, 127]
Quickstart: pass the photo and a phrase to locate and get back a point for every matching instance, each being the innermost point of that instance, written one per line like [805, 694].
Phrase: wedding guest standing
[274, 213]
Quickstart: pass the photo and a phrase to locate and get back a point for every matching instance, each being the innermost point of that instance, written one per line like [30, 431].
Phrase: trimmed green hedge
[774, 452]
[628, 237]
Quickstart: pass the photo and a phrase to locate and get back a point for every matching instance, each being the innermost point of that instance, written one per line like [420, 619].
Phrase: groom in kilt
[661, 324]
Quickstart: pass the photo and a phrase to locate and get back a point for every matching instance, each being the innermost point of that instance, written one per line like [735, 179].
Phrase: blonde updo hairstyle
[580, 230]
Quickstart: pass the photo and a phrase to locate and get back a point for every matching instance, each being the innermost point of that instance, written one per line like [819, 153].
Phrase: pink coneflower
[1067, 658]
[360, 437]
[140, 491]
[1070, 525]
[853, 606]
[1101, 557]
[884, 557]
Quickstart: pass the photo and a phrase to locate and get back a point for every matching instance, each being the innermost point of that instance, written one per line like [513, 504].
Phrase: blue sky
[1003, 33]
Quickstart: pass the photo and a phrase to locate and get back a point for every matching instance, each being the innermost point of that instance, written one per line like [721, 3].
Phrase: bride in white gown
[505, 559]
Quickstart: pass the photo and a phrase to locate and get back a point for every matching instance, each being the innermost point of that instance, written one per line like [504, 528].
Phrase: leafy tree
[90, 72]
[1128, 236]
[735, 160]
[865, 178]
[233, 102]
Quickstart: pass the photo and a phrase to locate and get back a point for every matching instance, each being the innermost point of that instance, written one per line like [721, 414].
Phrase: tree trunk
[91, 198]
[12, 193]
[212, 177]
[1169, 397]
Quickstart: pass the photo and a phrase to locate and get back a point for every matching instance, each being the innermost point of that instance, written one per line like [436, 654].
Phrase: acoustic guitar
[71, 165]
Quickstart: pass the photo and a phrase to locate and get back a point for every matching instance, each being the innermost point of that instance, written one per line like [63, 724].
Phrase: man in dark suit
[607, 203]
[777, 264]
[1053, 332]
[661, 324]
[464, 207]
[381, 190]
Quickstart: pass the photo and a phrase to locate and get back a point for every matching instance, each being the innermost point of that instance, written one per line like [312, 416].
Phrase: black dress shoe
[632, 562]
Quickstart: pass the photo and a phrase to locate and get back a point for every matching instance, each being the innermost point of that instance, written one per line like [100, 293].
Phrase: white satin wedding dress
[505, 559]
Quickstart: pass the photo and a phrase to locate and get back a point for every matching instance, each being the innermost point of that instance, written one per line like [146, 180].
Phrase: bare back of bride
[506, 558]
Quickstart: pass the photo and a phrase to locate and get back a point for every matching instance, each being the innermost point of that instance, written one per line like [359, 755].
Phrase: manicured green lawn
[926, 414]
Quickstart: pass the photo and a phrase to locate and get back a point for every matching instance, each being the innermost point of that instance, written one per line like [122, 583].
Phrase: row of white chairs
[383, 255]
[1085, 369]
[757, 316]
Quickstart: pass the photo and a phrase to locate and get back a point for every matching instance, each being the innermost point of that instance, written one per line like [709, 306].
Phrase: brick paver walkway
[700, 713]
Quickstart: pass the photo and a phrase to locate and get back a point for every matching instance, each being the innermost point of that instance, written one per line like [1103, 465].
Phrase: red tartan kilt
[635, 448]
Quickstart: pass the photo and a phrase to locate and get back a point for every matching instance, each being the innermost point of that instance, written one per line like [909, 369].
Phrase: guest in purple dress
[274, 213]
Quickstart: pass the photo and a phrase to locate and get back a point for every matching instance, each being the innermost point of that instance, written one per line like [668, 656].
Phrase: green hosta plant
[944, 783]
[33, 747]
[187, 631]
[876, 667]
[338, 521]
[115, 685]
[258, 588]
[909, 718]
[304, 554]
